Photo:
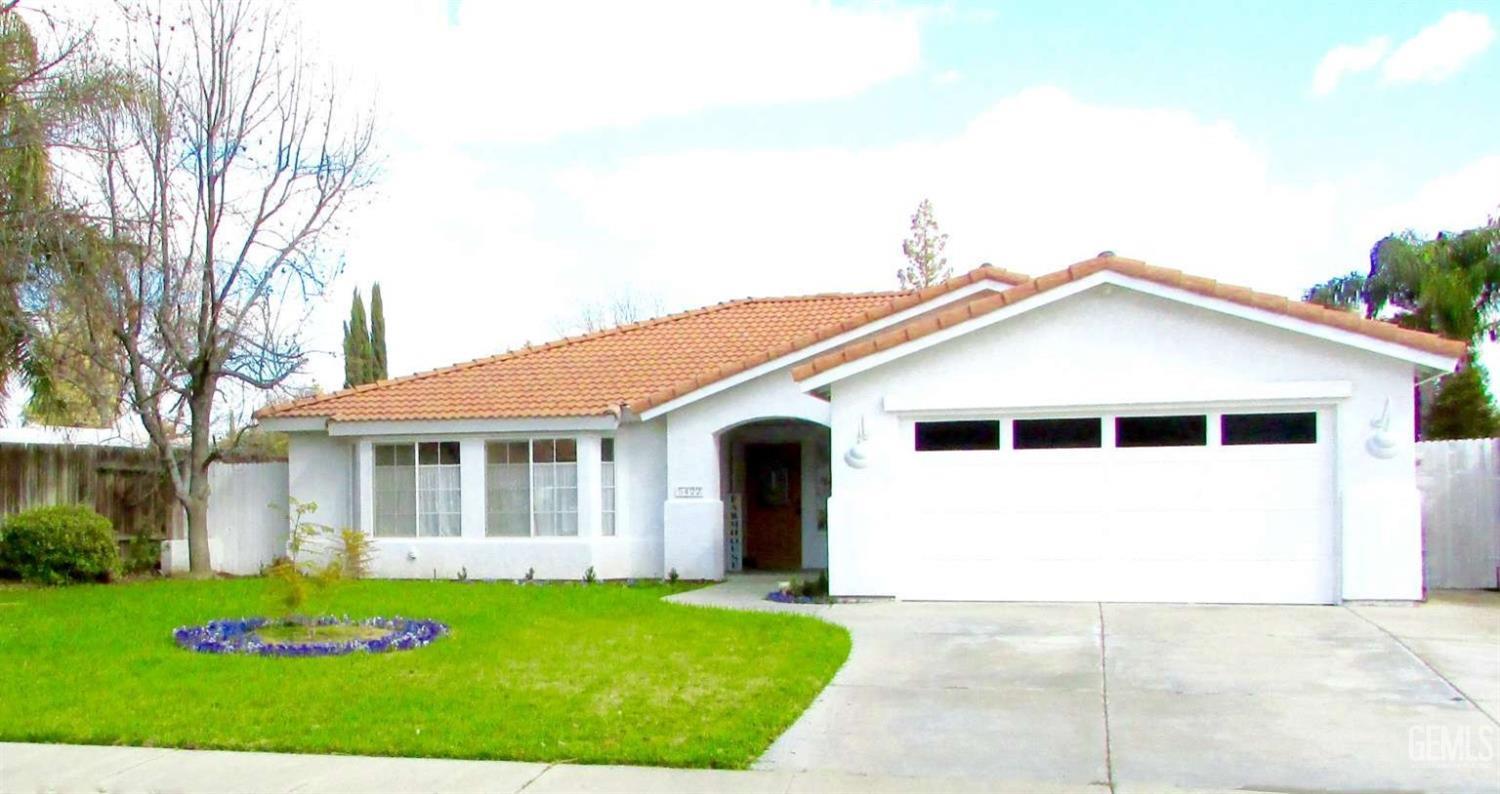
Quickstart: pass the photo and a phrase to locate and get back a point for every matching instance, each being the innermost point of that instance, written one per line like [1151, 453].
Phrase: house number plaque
[689, 492]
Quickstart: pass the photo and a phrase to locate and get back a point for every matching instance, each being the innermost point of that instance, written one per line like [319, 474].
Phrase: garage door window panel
[1058, 433]
[1161, 431]
[1269, 428]
[957, 436]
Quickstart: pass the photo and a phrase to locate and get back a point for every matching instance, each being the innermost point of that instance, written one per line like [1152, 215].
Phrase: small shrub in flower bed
[803, 592]
[243, 636]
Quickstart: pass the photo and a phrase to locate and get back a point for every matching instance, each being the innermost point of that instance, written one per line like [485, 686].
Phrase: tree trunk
[197, 531]
[200, 410]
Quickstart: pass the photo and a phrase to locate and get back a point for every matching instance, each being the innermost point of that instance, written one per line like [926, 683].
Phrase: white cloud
[473, 260]
[1345, 60]
[1440, 50]
[1037, 182]
[532, 71]
[1462, 199]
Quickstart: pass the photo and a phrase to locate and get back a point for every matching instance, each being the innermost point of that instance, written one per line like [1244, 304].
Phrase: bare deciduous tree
[213, 194]
[623, 308]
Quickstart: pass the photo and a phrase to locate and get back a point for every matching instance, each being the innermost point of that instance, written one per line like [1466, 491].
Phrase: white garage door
[1227, 506]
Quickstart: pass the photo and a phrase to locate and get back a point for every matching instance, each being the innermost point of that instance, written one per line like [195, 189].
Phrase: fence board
[1460, 484]
[122, 484]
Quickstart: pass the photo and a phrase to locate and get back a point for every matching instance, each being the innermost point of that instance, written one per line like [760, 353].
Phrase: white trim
[1325, 332]
[450, 427]
[580, 526]
[1319, 330]
[1200, 394]
[890, 354]
[819, 347]
[416, 482]
[293, 424]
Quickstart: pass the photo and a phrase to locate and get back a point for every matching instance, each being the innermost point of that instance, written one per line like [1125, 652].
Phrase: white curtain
[607, 484]
[395, 501]
[439, 501]
[556, 498]
[508, 499]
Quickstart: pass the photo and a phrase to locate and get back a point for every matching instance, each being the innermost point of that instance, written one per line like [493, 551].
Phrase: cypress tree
[357, 353]
[378, 368]
[349, 354]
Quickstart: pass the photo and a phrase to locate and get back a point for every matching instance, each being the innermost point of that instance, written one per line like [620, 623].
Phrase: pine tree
[379, 370]
[1463, 407]
[926, 264]
[358, 355]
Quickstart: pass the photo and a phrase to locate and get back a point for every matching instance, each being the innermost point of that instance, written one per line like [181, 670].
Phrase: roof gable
[1427, 346]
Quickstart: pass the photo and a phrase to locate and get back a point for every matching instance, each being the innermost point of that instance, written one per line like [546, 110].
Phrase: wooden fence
[1460, 484]
[121, 483]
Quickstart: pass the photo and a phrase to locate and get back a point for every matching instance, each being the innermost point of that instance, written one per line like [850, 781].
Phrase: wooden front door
[773, 506]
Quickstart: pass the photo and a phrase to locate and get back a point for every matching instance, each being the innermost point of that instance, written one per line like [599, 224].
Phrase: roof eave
[1436, 354]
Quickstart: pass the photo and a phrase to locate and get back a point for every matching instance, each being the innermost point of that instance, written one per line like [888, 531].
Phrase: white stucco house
[1113, 431]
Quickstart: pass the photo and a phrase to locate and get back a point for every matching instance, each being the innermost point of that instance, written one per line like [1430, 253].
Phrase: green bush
[59, 544]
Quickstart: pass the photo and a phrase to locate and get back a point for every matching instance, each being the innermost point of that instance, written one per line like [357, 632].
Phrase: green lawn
[602, 674]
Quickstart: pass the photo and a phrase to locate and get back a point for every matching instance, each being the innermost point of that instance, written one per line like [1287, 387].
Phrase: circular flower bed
[242, 636]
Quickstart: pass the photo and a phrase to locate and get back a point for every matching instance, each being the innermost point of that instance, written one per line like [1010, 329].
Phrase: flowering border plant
[241, 636]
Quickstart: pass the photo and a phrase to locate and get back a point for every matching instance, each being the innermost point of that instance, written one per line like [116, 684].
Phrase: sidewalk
[32, 768]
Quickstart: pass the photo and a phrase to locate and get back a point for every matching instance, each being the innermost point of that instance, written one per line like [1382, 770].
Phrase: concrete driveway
[1138, 697]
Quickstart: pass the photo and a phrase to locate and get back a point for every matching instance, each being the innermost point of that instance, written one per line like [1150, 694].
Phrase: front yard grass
[601, 674]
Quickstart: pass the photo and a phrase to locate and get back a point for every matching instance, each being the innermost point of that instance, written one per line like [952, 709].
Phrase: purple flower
[241, 636]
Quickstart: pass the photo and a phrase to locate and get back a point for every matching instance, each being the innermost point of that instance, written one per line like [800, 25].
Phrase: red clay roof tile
[636, 366]
[1431, 343]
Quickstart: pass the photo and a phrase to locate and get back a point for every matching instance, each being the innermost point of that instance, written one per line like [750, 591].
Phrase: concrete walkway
[1143, 696]
[35, 768]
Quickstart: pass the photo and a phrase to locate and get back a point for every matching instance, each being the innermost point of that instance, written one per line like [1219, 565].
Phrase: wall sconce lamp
[858, 455]
[1381, 444]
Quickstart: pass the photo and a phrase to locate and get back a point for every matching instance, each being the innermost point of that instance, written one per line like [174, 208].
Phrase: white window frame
[531, 488]
[608, 489]
[416, 451]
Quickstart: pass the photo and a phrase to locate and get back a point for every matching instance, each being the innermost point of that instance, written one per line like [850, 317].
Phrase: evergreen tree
[358, 356]
[1463, 407]
[379, 370]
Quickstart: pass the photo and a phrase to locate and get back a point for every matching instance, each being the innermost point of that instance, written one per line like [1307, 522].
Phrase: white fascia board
[549, 424]
[1325, 332]
[293, 424]
[879, 358]
[1319, 330]
[1152, 397]
[821, 347]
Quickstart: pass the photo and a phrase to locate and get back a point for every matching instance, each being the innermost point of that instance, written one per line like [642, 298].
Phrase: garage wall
[1089, 349]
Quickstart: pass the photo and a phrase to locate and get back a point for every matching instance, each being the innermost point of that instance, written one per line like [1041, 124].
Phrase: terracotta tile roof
[895, 302]
[1311, 312]
[638, 365]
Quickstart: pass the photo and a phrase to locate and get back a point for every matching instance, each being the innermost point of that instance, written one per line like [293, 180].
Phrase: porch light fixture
[858, 457]
[1381, 444]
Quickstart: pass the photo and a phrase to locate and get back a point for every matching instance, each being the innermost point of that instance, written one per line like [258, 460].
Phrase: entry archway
[775, 478]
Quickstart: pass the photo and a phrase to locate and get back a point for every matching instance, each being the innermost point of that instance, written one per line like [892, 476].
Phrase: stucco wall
[694, 511]
[320, 469]
[335, 472]
[1089, 348]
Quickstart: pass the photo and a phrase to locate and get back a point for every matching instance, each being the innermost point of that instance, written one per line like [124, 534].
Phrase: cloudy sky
[539, 156]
